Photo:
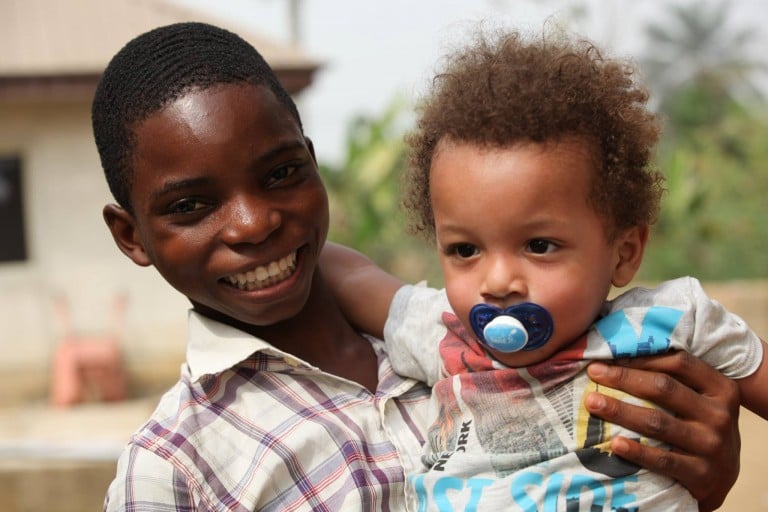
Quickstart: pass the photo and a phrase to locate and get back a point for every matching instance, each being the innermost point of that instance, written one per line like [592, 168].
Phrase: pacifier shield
[524, 326]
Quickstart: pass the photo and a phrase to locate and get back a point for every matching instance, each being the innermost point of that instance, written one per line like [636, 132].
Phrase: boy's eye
[281, 173]
[540, 246]
[186, 205]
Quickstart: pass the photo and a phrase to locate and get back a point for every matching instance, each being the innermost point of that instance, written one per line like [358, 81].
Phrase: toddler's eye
[465, 250]
[541, 246]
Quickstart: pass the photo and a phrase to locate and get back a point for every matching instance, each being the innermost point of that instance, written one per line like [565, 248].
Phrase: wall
[72, 253]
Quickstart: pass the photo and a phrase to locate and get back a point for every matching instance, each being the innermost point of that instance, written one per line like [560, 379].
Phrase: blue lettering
[421, 492]
[476, 485]
[527, 479]
[445, 485]
[442, 486]
[526, 492]
[619, 496]
[519, 485]
[580, 482]
[657, 327]
[555, 484]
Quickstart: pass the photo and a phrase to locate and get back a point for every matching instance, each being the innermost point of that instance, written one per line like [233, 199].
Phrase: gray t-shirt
[513, 439]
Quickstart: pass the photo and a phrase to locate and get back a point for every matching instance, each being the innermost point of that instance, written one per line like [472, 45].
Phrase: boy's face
[228, 205]
[514, 225]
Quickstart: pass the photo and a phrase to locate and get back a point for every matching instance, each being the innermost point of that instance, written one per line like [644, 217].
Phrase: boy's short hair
[155, 69]
[505, 90]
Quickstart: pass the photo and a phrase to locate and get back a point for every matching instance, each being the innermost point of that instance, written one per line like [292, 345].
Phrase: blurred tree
[365, 197]
[697, 62]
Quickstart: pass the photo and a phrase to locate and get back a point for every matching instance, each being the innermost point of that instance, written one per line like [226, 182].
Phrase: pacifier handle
[525, 326]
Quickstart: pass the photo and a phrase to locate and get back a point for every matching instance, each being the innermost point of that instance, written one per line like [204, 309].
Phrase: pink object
[88, 367]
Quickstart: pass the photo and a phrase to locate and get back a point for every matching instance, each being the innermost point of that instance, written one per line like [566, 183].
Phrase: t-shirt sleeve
[703, 326]
[413, 332]
[722, 338]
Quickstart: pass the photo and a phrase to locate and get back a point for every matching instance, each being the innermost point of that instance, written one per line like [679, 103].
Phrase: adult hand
[702, 426]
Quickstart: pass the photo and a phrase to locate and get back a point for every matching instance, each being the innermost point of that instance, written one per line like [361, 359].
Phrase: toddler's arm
[363, 291]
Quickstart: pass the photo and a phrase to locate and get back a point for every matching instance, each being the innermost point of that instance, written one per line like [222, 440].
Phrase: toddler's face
[514, 225]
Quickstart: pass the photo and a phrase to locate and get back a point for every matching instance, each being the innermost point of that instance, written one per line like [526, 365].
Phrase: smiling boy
[219, 191]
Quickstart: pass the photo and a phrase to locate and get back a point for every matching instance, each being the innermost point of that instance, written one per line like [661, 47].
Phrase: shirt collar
[214, 347]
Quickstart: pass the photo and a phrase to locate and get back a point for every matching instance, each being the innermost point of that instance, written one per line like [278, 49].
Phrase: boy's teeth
[264, 275]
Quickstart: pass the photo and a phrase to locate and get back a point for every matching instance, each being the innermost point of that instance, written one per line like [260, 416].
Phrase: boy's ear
[311, 148]
[629, 247]
[123, 228]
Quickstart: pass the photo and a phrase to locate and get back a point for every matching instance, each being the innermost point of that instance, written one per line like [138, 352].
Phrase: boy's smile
[228, 205]
[515, 225]
[264, 275]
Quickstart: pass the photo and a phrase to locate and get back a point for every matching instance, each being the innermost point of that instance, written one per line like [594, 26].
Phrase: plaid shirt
[249, 427]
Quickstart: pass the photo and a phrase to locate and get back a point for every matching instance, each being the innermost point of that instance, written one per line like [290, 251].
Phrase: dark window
[13, 246]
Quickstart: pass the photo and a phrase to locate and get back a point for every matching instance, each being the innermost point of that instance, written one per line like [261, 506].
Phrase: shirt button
[290, 361]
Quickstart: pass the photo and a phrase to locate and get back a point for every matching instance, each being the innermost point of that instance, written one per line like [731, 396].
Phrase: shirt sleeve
[413, 332]
[722, 338]
[704, 327]
[145, 481]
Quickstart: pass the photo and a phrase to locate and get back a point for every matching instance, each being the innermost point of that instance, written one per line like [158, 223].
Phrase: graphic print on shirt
[623, 339]
[656, 329]
[517, 430]
[530, 425]
[594, 438]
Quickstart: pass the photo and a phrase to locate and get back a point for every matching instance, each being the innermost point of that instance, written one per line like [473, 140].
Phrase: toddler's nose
[503, 278]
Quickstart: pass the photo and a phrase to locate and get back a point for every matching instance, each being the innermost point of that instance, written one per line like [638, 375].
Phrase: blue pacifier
[524, 326]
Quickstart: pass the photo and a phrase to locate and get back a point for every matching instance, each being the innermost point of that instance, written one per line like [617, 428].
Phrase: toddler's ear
[123, 228]
[629, 248]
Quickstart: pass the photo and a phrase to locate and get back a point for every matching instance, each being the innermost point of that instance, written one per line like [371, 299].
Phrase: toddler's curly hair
[506, 90]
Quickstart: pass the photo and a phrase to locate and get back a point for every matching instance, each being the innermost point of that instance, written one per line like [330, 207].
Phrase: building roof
[71, 41]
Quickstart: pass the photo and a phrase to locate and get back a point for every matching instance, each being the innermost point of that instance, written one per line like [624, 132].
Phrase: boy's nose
[249, 220]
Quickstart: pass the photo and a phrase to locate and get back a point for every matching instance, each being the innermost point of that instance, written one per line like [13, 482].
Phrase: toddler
[530, 169]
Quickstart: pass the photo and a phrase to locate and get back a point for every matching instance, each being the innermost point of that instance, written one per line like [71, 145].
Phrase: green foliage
[365, 197]
[714, 216]
[713, 221]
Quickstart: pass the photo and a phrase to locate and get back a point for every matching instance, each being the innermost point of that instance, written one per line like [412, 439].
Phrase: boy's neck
[320, 335]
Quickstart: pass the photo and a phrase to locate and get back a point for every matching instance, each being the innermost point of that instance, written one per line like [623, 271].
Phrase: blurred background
[89, 340]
